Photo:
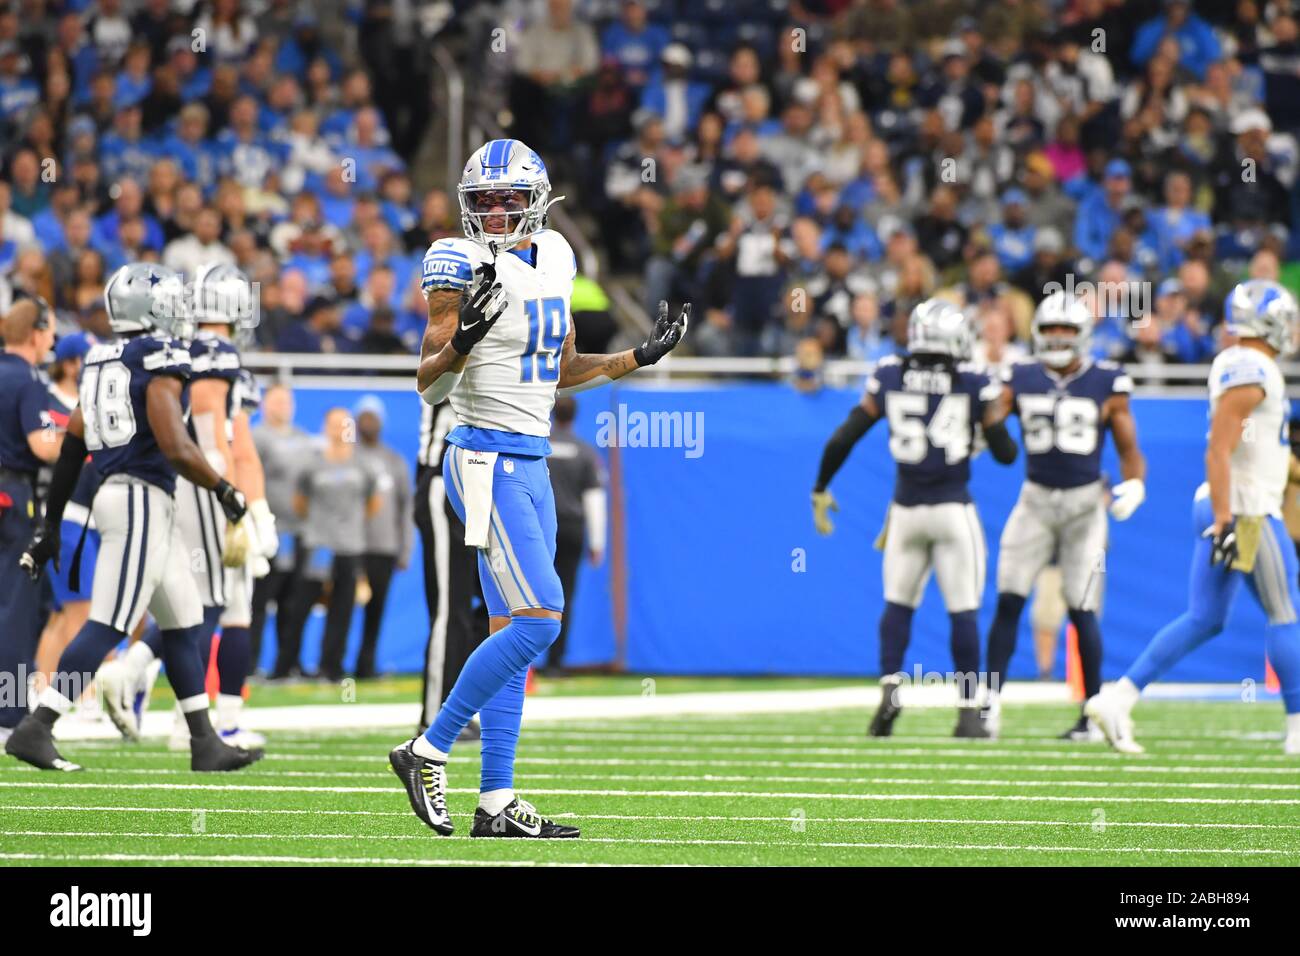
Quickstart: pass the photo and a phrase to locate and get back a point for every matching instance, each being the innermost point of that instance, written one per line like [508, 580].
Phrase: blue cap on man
[73, 346]
[373, 404]
[1119, 169]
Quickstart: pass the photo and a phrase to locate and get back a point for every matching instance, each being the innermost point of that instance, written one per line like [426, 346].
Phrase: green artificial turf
[1213, 789]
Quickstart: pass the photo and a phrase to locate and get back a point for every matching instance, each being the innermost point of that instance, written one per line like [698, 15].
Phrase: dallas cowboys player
[131, 420]
[1236, 514]
[499, 343]
[1066, 403]
[936, 406]
[224, 307]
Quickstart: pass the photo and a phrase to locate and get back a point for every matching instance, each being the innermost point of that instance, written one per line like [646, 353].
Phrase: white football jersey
[510, 377]
[1260, 461]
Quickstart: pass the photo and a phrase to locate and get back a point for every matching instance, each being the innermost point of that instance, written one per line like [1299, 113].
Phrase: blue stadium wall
[723, 573]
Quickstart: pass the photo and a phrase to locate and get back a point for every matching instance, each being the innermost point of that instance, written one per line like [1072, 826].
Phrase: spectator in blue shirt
[191, 149]
[634, 43]
[1184, 333]
[128, 205]
[1174, 223]
[18, 93]
[124, 151]
[1102, 210]
[673, 96]
[1198, 45]
[1013, 237]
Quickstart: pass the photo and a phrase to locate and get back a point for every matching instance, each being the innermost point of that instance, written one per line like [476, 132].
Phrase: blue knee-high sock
[186, 669]
[1088, 633]
[1002, 636]
[1172, 642]
[82, 657]
[1283, 644]
[499, 720]
[233, 656]
[491, 666]
[966, 653]
[895, 633]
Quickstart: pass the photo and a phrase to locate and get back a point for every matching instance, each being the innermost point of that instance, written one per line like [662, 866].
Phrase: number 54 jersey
[1061, 419]
[114, 381]
[504, 398]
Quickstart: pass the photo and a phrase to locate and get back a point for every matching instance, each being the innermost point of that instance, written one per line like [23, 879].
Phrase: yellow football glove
[823, 504]
[235, 552]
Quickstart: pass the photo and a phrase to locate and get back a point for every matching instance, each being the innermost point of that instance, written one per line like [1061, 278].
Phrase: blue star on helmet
[153, 279]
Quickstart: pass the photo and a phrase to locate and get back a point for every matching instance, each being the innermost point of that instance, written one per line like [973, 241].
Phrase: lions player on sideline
[499, 343]
[131, 418]
[1066, 402]
[223, 306]
[934, 404]
[1236, 515]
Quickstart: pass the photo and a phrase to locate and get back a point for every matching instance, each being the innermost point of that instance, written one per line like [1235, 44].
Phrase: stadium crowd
[805, 171]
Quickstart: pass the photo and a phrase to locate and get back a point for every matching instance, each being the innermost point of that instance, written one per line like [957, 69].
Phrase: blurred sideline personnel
[223, 306]
[499, 343]
[577, 477]
[70, 606]
[337, 495]
[284, 449]
[388, 530]
[1066, 402]
[131, 419]
[457, 623]
[1236, 515]
[28, 439]
[936, 405]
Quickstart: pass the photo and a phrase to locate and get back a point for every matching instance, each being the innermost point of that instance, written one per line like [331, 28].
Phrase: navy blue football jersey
[212, 356]
[114, 380]
[247, 392]
[933, 412]
[1061, 421]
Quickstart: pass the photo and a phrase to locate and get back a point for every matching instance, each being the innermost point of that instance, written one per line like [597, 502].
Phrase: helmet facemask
[1057, 345]
[494, 215]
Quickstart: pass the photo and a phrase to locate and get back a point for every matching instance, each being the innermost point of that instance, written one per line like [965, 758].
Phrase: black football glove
[1223, 549]
[232, 502]
[664, 336]
[44, 547]
[479, 310]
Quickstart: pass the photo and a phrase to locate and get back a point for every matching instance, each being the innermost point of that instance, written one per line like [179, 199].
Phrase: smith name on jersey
[933, 411]
[1061, 419]
[504, 398]
[1260, 462]
[114, 381]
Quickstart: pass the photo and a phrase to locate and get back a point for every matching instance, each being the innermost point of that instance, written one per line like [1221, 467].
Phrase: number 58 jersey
[504, 398]
[114, 380]
[1061, 419]
[933, 411]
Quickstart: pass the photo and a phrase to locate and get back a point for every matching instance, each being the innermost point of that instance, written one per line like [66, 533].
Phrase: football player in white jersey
[499, 344]
[1236, 514]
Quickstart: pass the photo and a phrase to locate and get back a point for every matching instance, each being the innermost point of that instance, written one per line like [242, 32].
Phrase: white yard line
[651, 841]
[727, 794]
[694, 818]
[242, 858]
[357, 716]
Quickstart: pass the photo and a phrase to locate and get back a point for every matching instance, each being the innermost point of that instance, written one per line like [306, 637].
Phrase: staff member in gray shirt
[284, 448]
[578, 479]
[337, 493]
[390, 530]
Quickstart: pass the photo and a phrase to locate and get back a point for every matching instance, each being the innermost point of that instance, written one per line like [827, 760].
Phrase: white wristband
[441, 388]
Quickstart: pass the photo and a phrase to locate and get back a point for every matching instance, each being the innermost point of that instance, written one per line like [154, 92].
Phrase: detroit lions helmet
[222, 295]
[1262, 309]
[505, 174]
[940, 327]
[1062, 309]
[147, 297]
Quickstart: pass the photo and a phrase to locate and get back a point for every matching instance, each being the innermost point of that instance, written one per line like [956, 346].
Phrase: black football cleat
[426, 785]
[970, 724]
[1083, 731]
[211, 754]
[32, 741]
[882, 724]
[520, 819]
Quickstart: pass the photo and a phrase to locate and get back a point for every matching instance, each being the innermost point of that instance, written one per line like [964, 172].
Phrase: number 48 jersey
[503, 400]
[114, 381]
[1061, 419]
[933, 411]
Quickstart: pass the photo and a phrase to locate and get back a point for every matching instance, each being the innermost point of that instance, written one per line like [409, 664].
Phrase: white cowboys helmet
[147, 297]
[222, 295]
[940, 327]
[1058, 310]
[1262, 309]
[504, 174]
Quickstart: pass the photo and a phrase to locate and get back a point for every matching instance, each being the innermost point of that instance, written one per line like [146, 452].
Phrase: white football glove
[258, 566]
[267, 539]
[1126, 497]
